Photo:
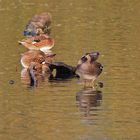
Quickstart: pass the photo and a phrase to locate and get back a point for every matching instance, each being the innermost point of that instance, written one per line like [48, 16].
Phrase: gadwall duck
[38, 24]
[88, 69]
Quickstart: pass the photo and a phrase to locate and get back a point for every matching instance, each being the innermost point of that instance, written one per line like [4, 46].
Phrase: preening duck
[88, 68]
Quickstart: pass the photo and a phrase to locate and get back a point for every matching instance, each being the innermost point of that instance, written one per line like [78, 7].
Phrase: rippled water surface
[63, 110]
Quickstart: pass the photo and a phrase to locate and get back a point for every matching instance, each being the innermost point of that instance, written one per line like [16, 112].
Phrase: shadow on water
[88, 100]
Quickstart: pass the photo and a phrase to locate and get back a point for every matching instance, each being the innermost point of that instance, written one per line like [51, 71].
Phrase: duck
[89, 69]
[63, 71]
[41, 42]
[38, 24]
[37, 72]
[36, 56]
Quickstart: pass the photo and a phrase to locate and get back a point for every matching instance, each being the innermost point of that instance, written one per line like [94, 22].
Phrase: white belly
[86, 76]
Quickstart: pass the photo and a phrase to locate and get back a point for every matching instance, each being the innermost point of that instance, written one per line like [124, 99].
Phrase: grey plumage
[38, 24]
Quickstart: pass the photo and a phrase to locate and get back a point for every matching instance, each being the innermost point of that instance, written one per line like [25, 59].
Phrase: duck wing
[63, 71]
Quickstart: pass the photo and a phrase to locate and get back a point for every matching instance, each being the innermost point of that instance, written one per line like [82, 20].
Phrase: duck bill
[20, 42]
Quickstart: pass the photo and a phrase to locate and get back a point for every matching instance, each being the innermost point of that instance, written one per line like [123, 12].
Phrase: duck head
[89, 57]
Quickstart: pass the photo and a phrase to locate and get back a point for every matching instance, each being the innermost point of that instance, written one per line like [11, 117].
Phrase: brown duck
[88, 68]
[36, 56]
[41, 42]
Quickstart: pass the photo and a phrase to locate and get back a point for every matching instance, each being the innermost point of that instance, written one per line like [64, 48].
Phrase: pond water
[63, 110]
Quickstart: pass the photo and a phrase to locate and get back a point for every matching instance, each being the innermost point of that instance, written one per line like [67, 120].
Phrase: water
[64, 110]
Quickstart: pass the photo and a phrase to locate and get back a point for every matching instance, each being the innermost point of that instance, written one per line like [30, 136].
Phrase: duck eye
[41, 60]
[34, 68]
[84, 59]
[37, 40]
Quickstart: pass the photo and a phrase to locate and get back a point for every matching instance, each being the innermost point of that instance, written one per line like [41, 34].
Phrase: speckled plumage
[38, 24]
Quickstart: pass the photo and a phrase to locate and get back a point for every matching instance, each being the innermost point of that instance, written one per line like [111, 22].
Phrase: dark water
[64, 110]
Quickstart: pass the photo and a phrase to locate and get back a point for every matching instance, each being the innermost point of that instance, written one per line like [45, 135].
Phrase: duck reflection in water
[88, 100]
